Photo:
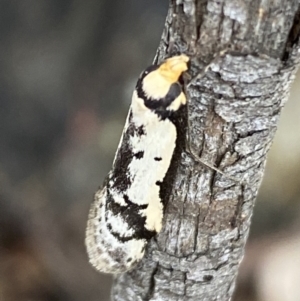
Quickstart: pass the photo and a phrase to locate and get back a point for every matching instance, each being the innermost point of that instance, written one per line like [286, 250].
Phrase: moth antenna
[189, 145]
[204, 71]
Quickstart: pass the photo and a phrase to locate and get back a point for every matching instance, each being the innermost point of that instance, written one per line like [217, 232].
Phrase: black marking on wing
[131, 215]
[129, 203]
[134, 130]
[139, 155]
[140, 130]
[179, 119]
[159, 106]
[119, 176]
[173, 93]
[158, 158]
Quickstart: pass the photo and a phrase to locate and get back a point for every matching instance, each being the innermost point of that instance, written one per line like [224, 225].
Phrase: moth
[128, 211]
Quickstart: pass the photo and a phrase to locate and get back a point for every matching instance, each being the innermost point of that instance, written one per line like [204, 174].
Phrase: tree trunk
[233, 114]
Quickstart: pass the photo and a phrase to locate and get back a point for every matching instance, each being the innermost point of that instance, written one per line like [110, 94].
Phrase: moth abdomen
[111, 251]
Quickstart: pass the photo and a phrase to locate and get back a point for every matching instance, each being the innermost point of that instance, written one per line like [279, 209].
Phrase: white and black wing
[128, 211]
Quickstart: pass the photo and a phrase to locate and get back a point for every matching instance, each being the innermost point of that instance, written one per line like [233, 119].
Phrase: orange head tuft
[173, 67]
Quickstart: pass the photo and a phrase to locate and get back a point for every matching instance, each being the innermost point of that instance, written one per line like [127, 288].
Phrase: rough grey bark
[233, 112]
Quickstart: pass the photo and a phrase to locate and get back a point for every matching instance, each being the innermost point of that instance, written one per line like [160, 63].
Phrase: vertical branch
[233, 112]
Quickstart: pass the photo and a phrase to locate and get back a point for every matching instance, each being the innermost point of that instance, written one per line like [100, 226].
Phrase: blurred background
[67, 71]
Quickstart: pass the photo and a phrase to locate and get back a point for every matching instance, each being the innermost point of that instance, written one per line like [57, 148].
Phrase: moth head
[172, 68]
[156, 80]
[158, 88]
